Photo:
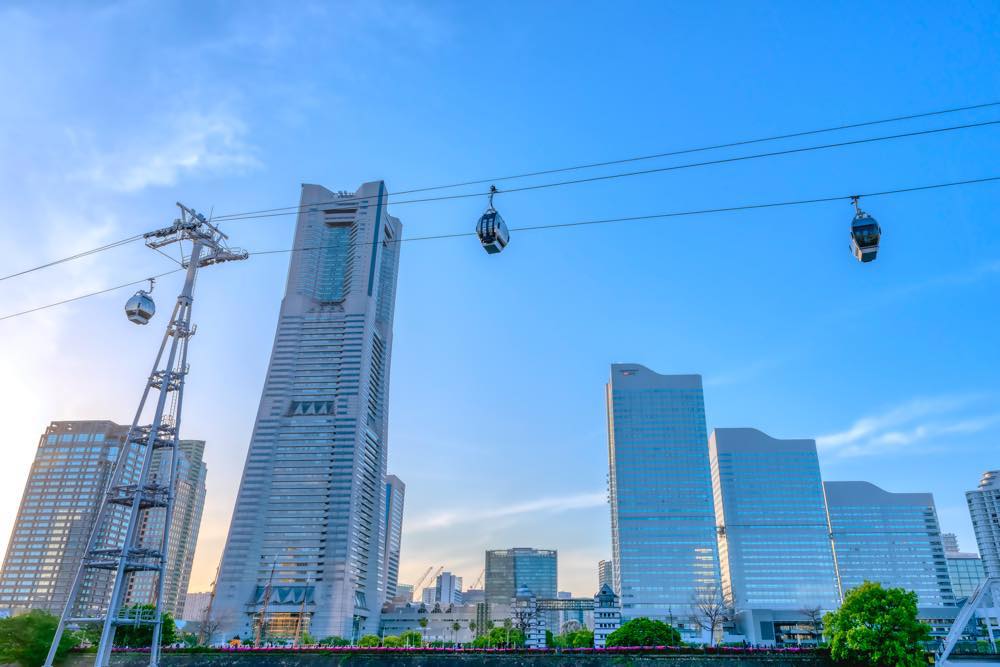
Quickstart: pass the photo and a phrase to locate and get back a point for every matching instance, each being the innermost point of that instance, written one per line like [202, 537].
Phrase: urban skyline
[766, 326]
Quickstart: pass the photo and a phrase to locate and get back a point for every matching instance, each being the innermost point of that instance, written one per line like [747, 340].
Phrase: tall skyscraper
[306, 540]
[507, 570]
[890, 538]
[950, 542]
[774, 542]
[605, 574]
[662, 513]
[984, 507]
[61, 501]
[62, 496]
[395, 492]
[189, 503]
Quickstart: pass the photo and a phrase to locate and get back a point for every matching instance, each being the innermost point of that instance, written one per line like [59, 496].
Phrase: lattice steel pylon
[135, 489]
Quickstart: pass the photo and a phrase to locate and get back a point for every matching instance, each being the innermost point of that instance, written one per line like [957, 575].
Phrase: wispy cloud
[542, 505]
[187, 142]
[904, 425]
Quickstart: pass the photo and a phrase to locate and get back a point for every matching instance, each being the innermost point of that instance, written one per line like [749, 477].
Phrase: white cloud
[549, 505]
[916, 421]
[188, 142]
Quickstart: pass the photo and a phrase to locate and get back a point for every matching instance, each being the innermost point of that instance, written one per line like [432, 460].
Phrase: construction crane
[479, 580]
[416, 586]
[435, 576]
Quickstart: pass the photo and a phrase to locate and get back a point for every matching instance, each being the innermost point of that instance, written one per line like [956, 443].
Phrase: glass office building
[660, 484]
[890, 538]
[306, 544]
[774, 542]
[507, 570]
[966, 573]
[62, 497]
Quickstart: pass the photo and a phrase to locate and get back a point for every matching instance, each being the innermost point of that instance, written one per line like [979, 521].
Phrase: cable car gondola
[865, 234]
[141, 307]
[492, 230]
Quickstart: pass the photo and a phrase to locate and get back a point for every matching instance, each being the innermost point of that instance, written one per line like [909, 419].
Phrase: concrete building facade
[189, 505]
[395, 493]
[310, 511]
[62, 496]
[605, 573]
[984, 508]
[662, 513]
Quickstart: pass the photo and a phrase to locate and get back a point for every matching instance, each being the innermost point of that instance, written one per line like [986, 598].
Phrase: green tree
[582, 638]
[392, 641]
[499, 637]
[472, 628]
[137, 636]
[368, 641]
[411, 638]
[333, 640]
[455, 627]
[644, 632]
[877, 626]
[307, 639]
[25, 639]
[423, 628]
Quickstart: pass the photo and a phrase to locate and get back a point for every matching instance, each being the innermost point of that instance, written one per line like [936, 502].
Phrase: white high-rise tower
[305, 547]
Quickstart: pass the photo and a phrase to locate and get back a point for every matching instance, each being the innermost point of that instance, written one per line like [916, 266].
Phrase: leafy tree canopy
[25, 639]
[368, 641]
[644, 632]
[334, 640]
[392, 641]
[582, 638]
[877, 626]
[499, 637]
[411, 638]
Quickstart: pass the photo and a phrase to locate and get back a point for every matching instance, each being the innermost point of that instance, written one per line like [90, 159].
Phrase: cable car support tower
[135, 490]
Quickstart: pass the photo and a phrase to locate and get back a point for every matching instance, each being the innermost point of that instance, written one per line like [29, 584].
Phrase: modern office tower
[395, 492]
[448, 589]
[950, 542]
[306, 540]
[62, 496]
[605, 574]
[984, 507]
[774, 541]
[189, 503]
[890, 538]
[966, 573]
[662, 515]
[507, 570]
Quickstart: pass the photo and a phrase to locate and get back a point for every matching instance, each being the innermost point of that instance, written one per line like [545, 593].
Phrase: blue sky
[114, 112]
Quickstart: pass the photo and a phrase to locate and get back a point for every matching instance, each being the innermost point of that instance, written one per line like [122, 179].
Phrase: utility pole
[135, 489]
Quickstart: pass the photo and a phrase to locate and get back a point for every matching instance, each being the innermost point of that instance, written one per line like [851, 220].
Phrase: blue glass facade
[774, 542]
[662, 514]
[507, 570]
[890, 538]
